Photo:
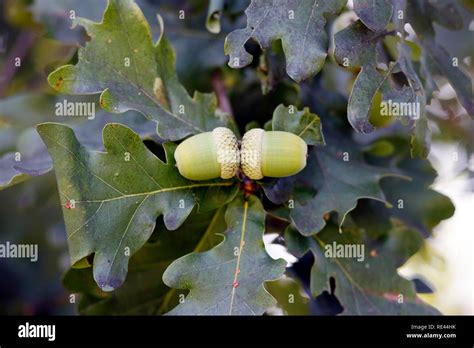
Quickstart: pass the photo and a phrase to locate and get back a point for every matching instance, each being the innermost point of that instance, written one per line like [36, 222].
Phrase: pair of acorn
[261, 153]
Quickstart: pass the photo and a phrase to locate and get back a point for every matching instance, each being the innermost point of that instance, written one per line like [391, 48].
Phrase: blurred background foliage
[39, 33]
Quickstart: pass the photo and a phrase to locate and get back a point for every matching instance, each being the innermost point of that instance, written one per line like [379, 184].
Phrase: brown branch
[221, 93]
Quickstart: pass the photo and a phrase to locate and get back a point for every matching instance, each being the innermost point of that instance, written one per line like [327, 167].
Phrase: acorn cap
[227, 151]
[251, 153]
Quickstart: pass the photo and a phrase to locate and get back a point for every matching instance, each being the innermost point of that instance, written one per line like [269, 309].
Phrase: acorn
[208, 155]
[275, 154]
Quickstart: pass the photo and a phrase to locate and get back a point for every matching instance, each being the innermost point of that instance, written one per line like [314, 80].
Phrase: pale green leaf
[214, 12]
[228, 279]
[302, 123]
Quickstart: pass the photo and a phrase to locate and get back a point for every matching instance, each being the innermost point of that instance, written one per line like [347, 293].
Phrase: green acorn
[208, 155]
[275, 154]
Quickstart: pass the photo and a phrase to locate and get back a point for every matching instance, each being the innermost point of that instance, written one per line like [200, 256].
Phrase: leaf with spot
[228, 279]
[111, 199]
[131, 73]
[298, 23]
[366, 278]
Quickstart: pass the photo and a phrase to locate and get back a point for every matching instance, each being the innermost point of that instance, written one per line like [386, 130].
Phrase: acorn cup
[209, 155]
[274, 154]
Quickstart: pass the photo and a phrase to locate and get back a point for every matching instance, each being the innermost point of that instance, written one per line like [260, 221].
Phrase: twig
[219, 88]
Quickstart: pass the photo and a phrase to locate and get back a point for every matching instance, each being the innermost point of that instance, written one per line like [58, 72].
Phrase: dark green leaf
[337, 185]
[413, 202]
[288, 293]
[421, 135]
[437, 60]
[417, 205]
[355, 46]
[367, 282]
[300, 26]
[374, 15]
